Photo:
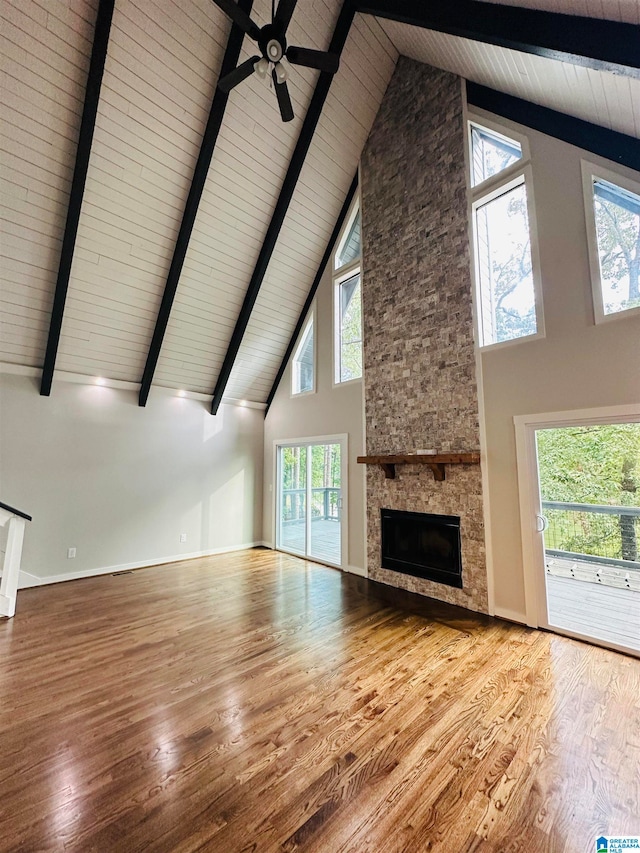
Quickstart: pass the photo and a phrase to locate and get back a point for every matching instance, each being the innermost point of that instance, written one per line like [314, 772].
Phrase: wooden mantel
[435, 461]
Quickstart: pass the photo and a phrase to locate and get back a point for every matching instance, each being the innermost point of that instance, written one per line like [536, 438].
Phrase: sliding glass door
[310, 518]
[590, 525]
[578, 475]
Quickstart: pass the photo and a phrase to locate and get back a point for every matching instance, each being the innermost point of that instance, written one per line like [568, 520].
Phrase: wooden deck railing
[598, 533]
[327, 507]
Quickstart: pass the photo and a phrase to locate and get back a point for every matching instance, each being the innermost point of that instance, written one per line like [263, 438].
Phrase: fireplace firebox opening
[423, 545]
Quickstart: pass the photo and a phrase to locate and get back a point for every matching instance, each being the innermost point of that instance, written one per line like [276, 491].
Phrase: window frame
[494, 127]
[592, 172]
[309, 321]
[339, 276]
[354, 209]
[517, 174]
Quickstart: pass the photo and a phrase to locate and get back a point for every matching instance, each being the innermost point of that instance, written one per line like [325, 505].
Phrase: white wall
[120, 483]
[577, 365]
[329, 411]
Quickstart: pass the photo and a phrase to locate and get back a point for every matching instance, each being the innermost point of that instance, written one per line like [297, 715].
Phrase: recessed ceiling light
[100, 381]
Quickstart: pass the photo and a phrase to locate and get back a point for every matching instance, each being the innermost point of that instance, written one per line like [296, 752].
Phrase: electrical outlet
[183, 537]
[71, 552]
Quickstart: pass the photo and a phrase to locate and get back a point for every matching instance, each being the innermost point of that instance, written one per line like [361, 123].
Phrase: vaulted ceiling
[163, 60]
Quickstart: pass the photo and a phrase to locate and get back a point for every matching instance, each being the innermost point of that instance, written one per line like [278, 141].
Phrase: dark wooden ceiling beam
[595, 43]
[207, 148]
[309, 125]
[615, 146]
[83, 153]
[312, 292]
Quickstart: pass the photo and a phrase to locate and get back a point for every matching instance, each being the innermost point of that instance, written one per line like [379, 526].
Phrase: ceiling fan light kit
[261, 68]
[280, 72]
[271, 39]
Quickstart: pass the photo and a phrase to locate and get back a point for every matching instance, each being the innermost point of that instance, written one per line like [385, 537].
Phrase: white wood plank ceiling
[600, 97]
[253, 152]
[162, 66]
[45, 60]
[159, 79]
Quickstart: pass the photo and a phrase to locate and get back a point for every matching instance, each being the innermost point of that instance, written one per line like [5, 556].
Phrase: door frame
[526, 427]
[343, 440]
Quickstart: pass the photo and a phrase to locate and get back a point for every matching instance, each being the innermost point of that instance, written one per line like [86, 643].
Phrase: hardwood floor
[255, 702]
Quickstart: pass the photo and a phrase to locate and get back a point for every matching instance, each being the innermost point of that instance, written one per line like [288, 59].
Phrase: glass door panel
[292, 511]
[326, 503]
[589, 481]
[310, 515]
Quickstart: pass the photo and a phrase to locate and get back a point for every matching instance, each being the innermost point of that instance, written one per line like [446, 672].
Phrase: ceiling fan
[271, 39]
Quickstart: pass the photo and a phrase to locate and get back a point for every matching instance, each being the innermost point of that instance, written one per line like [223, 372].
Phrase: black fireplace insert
[423, 545]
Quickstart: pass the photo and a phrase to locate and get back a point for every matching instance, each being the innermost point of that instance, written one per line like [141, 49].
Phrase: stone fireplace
[420, 374]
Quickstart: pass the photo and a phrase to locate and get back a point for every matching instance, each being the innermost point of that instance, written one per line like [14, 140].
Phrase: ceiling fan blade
[313, 59]
[284, 101]
[239, 17]
[246, 69]
[284, 13]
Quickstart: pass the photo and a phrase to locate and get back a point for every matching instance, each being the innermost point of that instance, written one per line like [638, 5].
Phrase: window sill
[511, 342]
[347, 382]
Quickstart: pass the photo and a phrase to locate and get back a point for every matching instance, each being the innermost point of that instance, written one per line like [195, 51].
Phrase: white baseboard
[354, 570]
[510, 615]
[27, 580]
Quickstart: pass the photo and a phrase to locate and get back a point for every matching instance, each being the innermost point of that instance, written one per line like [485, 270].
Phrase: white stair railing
[12, 556]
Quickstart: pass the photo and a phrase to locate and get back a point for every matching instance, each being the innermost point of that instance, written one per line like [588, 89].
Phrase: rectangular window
[507, 295]
[350, 329]
[613, 227]
[303, 363]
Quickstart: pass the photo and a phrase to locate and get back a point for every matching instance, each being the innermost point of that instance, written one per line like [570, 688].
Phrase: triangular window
[491, 153]
[349, 247]
[304, 362]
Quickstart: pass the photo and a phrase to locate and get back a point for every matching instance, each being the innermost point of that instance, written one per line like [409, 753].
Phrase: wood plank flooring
[255, 702]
